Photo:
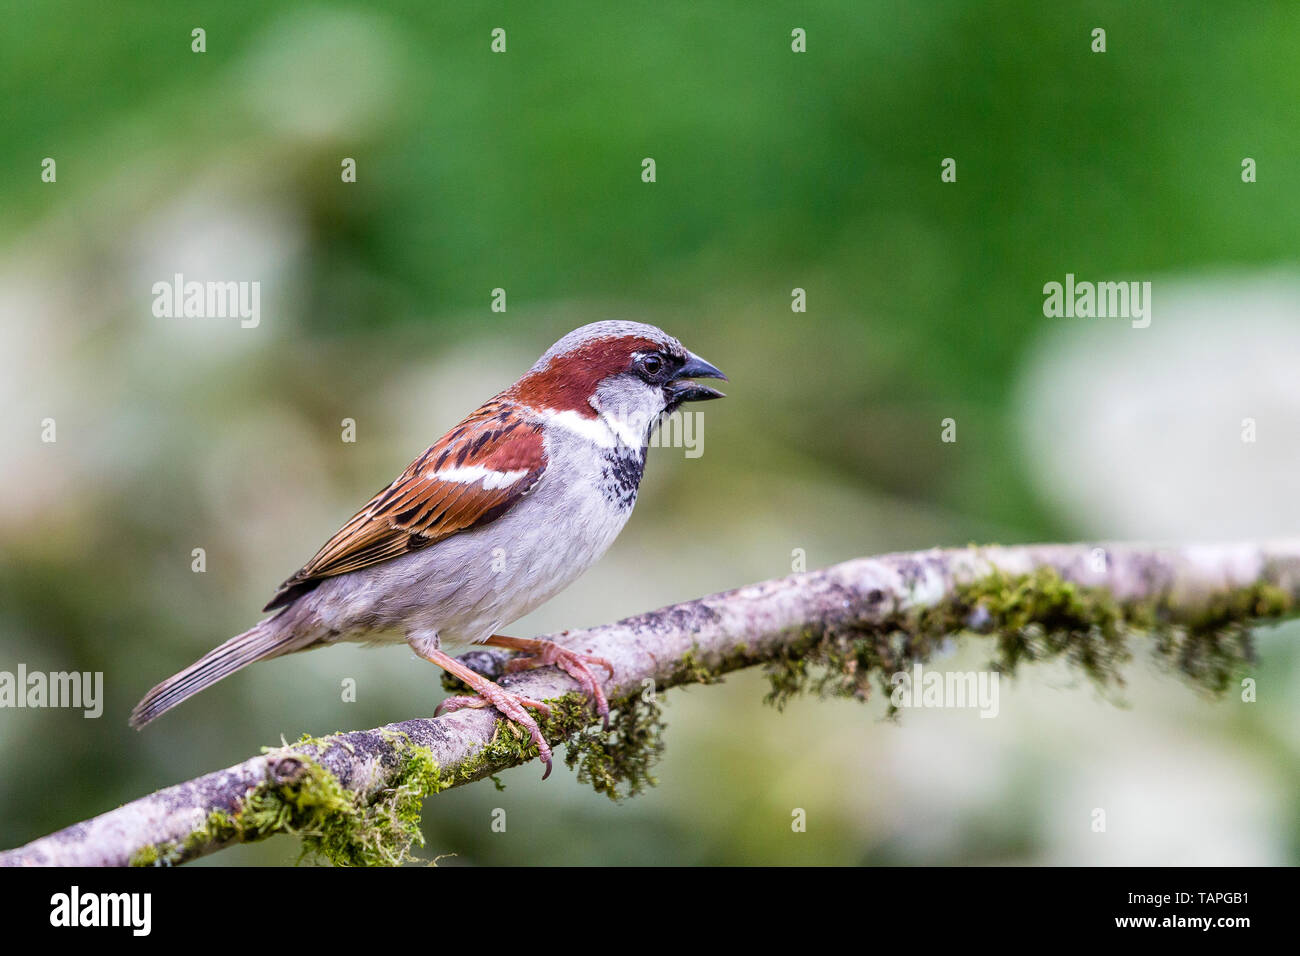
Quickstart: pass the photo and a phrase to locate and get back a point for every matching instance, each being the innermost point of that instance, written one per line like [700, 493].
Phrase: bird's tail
[258, 643]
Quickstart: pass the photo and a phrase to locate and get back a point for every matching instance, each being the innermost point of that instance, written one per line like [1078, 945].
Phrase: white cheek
[630, 431]
[630, 407]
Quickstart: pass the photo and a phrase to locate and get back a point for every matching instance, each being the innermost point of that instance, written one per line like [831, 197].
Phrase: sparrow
[491, 521]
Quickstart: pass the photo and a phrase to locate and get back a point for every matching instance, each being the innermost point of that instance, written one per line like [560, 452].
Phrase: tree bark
[913, 597]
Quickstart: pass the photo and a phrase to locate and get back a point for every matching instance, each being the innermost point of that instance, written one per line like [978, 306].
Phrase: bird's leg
[489, 694]
[574, 663]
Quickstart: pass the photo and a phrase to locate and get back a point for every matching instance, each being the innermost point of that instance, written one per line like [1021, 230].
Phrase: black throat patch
[620, 474]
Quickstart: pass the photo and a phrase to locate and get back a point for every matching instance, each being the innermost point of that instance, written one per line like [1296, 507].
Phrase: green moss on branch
[303, 798]
[1027, 618]
[1035, 617]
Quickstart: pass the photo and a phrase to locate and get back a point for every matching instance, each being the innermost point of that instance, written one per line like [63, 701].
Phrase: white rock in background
[1137, 433]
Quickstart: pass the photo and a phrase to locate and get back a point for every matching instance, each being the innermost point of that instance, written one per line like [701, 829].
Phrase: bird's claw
[513, 708]
[574, 663]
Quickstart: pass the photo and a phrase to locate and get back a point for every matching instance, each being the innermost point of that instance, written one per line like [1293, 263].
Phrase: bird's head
[626, 372]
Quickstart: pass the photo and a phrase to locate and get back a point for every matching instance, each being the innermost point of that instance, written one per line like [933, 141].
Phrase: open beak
[681, 389]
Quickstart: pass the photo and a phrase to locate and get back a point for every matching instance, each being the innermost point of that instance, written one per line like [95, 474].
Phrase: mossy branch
[356, 797]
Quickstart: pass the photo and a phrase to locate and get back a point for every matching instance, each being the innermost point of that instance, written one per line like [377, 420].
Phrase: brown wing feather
[420, 508]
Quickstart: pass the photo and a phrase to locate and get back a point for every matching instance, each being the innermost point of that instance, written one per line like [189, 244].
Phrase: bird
[494, 519]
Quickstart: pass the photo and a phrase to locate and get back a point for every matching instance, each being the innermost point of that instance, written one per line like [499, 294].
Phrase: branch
[356, 797]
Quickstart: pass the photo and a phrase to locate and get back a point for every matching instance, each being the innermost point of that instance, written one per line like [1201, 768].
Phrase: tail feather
[258, 643]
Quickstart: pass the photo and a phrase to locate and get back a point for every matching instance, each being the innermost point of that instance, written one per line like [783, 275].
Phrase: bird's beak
[682, 390]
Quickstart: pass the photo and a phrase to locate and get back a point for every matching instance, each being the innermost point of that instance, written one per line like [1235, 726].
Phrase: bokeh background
[775, 170]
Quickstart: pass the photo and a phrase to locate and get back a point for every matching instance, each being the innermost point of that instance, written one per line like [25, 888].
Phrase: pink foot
[574, 663]
[512, 706]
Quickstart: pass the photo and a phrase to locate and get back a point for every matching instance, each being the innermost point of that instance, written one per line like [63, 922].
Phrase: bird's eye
[652, 364]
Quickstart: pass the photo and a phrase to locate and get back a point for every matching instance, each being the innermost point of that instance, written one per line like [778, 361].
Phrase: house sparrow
[494, 519]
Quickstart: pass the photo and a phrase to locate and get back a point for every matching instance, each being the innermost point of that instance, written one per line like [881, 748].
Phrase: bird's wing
[469, 477]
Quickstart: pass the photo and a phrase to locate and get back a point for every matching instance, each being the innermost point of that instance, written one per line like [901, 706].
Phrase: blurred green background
[775, 170]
